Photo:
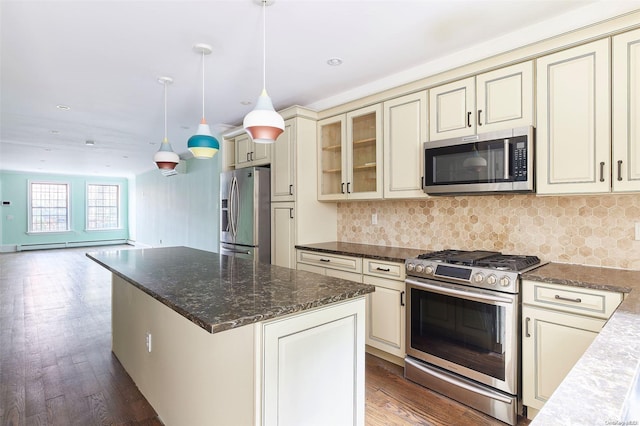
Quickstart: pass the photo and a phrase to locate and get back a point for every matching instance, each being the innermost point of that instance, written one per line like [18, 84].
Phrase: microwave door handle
[506, 159]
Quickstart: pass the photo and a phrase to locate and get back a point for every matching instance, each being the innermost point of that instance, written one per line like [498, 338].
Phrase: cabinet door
[364, 153]
[504, 98]
[626, 111]
[451, 110]
[261, 154]
[332, 169]
[228, 154]
[283, 170]
[313, 367]
[574, 116]
[385, 328]
[243, 146]
[283, 235]
[405, 131]
[552, 342]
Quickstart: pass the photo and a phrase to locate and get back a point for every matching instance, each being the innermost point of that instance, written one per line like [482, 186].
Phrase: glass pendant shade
[203, 145]
[165, 158]
[264, 124]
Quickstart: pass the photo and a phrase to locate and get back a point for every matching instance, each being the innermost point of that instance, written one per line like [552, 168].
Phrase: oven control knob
[410, 266]
[492, 279]
[505, 281]
[478, 277]
[419, 268]
[428, 270]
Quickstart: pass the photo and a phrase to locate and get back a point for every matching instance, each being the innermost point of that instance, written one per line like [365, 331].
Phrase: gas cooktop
[485, 259]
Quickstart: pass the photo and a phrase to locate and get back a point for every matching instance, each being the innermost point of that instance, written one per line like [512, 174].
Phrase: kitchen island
[211, 339]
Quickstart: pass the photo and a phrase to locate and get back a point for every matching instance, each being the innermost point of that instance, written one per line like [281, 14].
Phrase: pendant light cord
[264, 45]
[165, 112]
[203, 85]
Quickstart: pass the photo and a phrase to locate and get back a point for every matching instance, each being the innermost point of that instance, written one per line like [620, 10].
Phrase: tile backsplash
[596, 230]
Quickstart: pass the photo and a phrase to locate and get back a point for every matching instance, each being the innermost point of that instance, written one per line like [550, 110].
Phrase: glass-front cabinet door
[332, 159]
[364, 156]
[350, 155]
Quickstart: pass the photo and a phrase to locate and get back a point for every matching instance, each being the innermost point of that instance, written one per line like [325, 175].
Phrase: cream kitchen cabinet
[494, 100]
[332, 265]
[386, 306]
[249, 154]
[350, 155]
[558, 325]
[297, 217]
[626, 111]
[574, 120]
[405, 131]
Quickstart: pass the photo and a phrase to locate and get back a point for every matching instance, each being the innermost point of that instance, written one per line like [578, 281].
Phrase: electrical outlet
[374, 218]
[147, 341]
[637, 236]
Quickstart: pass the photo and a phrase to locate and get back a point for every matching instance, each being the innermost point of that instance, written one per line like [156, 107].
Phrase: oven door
[470, 332]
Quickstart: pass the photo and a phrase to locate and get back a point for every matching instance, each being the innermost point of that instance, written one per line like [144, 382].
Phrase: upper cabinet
[405, 131]
[626, 112]
[250, 154]
[350, 155]
[574, 117]
[283, 169]
[495, 100]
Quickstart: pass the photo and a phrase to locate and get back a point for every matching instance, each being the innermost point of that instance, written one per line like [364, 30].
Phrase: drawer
[331, 261]
[381, 268]
[584, 301]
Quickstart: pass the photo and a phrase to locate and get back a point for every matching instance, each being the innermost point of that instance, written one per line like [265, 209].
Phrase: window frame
[30, 228]
[118, 207]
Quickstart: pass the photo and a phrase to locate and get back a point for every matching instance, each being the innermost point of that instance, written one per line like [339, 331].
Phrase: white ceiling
[102, 58]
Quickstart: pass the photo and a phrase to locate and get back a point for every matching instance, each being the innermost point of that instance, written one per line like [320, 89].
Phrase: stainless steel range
[463, 327]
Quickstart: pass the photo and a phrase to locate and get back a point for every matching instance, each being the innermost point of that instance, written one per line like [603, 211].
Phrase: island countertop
[219, 292]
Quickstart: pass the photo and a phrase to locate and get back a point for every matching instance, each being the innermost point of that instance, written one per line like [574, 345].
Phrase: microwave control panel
[520, 159]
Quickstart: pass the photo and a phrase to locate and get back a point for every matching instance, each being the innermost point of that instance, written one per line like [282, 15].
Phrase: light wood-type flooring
[56, 365]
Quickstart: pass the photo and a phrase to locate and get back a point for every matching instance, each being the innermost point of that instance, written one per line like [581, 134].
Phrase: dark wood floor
[56, 365]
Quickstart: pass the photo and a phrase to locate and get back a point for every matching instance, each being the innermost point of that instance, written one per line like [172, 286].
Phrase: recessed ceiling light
[245, 103]
[47, 149]
[89, 143]
[125, 156]
[334, 62]
[54, 132]
[63, 107]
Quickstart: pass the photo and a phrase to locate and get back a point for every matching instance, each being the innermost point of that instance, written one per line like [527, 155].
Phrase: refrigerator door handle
[233, 207]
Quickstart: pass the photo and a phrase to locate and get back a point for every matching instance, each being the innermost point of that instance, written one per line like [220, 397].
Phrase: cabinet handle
[348, 190]
[568, 299]
[526, 327]
[402, 298]
[479, 120]
[422, 182]
[325, 260]
[251, 155]
[342, 188]
[290, 213]
[290, 189]
[469, 119]
[619, 169]
[602, 171]
[248, 154]
[383, 269]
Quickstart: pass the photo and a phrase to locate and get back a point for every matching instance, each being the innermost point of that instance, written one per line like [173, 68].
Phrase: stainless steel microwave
[500, 161]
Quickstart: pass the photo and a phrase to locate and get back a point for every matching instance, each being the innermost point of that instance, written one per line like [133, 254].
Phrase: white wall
[180, 210]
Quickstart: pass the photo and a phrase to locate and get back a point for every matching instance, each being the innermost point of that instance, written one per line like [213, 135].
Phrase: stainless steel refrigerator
[245, 216]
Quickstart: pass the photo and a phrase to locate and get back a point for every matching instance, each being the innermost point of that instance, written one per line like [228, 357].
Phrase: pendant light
[165, 158]
[264, 124]
[203, 145]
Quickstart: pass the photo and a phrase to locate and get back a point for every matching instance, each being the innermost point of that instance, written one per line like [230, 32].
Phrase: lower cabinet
[313, 367]
[332, 265]
[283, 234]
[385, 306]
[558, 325]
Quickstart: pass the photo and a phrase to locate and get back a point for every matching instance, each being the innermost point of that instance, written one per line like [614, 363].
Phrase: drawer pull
[383, 269]
[325, 260]
[402, 298]
[568, 299]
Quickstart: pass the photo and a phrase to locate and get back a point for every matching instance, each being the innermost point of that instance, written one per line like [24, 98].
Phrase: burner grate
[487, 259]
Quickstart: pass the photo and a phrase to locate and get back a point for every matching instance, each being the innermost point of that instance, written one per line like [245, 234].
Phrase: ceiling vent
[180, 169]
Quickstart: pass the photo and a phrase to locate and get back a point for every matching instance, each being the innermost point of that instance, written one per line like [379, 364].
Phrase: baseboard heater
[69, 244]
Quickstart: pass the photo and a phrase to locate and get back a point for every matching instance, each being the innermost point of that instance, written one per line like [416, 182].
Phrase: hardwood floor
[56, 365]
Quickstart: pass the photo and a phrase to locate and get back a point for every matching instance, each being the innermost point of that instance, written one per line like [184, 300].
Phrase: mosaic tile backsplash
[596, 230]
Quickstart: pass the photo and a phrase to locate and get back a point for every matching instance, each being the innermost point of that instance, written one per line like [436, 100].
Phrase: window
[103, 206]
[49, 207]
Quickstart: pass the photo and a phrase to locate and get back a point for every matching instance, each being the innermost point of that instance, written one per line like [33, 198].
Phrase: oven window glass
[467, 333]
[478, 162]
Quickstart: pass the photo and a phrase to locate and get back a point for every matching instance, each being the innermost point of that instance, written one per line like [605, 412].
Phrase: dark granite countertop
[596, 390]
[219, 292]
[391, 254]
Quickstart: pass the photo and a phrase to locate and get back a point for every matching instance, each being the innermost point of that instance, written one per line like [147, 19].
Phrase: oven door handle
[469, 295]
